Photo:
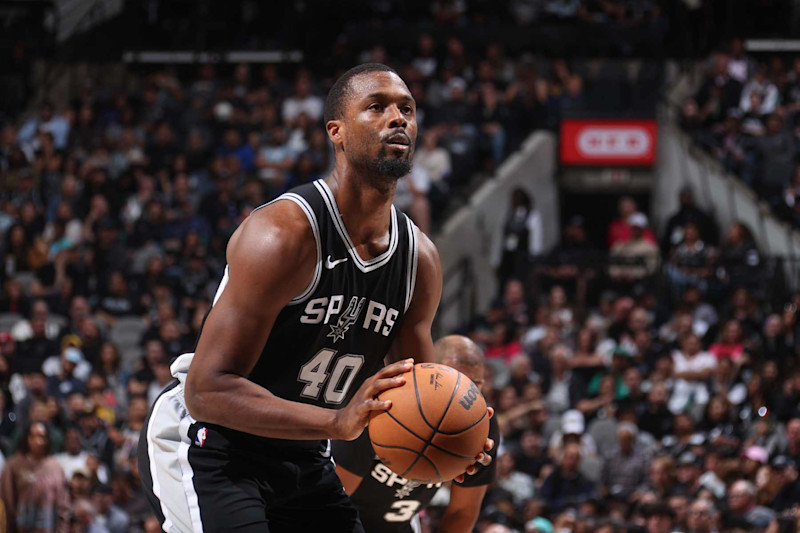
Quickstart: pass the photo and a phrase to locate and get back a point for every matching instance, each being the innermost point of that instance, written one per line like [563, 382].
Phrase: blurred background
[613, 186]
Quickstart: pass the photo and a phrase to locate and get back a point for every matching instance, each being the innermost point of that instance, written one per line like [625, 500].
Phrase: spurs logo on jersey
[406, 489]
[382, 474]
[347, 319]
[378, 318]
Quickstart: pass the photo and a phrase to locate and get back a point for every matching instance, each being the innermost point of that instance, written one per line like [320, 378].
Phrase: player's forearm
[235, 402]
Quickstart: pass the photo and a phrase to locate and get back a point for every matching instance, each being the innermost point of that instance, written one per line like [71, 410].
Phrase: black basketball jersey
[330, 338]
[387, 503]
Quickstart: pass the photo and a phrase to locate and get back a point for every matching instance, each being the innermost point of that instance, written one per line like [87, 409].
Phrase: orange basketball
[436, 426]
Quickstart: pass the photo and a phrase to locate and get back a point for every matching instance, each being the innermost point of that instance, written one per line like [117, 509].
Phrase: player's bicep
[269, 263]
[414, 339]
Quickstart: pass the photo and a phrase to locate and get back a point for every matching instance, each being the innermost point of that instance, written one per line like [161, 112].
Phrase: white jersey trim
[312, 220]
[411, 273]
[188, 473]
[336, 216]
[168, 452]
[167, 525]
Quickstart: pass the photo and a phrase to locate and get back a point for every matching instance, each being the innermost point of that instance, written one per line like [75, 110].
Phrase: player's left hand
[483, 458]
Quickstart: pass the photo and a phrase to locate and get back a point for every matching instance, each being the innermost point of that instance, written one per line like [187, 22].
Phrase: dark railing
[459, 291]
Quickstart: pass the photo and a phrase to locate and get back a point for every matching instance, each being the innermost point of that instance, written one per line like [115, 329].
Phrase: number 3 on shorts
[405, 511]
[315, 372]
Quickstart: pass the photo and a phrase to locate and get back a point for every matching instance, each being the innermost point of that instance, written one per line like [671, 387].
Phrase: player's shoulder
[279, 232]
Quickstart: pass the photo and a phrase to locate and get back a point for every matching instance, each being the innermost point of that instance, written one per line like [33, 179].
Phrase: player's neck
[365, 209]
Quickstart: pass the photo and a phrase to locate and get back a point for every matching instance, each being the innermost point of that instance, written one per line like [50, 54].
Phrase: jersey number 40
[315, 373]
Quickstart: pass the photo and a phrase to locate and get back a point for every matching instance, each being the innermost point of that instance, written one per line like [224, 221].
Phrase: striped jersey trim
[333, 209]
[411, 274]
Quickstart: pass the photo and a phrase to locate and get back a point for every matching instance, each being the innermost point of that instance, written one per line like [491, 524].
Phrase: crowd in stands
[115, 210]
[617, 408]
[632, 408]
[746, 112]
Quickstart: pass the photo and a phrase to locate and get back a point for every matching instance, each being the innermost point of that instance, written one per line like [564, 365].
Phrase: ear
[335, 129]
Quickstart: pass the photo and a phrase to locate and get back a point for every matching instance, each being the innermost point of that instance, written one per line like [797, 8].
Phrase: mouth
[398, 141]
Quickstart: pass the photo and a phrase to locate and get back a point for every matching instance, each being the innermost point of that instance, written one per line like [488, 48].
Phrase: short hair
[746, 486]
[334, 103]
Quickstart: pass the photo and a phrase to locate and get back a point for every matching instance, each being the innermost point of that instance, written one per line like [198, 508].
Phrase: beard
[392, 168]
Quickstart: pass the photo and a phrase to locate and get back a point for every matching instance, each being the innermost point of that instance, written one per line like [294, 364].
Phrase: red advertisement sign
[595, 142]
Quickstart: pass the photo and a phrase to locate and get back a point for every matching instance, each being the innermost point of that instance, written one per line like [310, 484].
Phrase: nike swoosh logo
[331, 264]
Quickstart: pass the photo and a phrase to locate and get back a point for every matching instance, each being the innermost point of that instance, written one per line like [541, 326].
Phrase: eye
[406, 109]
[375, 107]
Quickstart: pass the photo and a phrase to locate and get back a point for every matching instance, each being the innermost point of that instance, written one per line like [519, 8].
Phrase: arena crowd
[648, 385]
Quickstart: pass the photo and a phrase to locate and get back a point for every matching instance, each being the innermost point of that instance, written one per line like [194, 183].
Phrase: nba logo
[200, 439]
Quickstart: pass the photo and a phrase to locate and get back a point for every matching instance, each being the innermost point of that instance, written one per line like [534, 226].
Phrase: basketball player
[389, 503]
[321, 285]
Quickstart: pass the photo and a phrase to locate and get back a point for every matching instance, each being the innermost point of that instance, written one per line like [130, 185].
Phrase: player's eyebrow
[386, 96]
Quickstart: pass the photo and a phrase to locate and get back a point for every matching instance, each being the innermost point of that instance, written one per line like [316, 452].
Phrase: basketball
[436, 426]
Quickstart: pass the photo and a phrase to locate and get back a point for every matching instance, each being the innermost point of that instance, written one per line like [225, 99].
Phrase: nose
[396, 118]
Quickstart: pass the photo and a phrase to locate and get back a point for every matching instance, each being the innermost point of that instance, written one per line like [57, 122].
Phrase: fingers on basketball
[400, 367]
[381, 385]
[378, 405]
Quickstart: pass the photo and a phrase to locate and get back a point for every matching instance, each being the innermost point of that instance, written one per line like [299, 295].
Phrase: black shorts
[209, 482]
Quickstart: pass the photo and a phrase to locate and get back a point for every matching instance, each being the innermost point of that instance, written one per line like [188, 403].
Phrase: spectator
[33, 352]
[662, 476]
[33, 486]
[784, 479]
[729, 345]
[94, 436]
[436, 161]
[740, 257]
[774, 160]
[302, 101]
[23, 330]
[74, 457]
[739, 65]
[566, 486]
[47, 121]
[65, 382]
[518, 484]
[660, 518]
[492, 120]
[275, 159]
[692, 368]
[574, 258]
[411, 197]
[688, 475]
[522, 237]
[626, 466]
[109, 517]
[760, 84]
[702, 517]
[559, 395]
[791, 198]
[620, 230]
[690, 259]
[638, 256]
[742, 504]
[572, 430]
[688, 212]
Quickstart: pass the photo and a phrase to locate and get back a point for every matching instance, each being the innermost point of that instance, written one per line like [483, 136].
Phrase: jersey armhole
[411, 268]
[312, 220]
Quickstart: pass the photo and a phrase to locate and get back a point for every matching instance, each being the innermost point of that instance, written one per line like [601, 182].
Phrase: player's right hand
[351, 420]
